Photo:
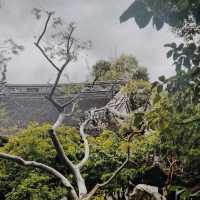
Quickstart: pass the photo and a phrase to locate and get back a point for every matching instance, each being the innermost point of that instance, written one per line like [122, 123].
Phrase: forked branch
[37, 44]
[68, 58]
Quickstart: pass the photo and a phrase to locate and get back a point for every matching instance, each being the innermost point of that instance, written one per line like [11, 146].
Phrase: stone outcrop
[146, 192]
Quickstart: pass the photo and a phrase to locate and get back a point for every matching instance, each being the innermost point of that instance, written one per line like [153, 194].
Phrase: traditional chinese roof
[26, 103]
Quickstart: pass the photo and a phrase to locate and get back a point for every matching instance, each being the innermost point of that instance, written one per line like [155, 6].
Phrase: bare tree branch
[59, 148]
[86, 145]
[37, 44]
[55, 84]
[69, 45]
[57, 105]
[98, 185]
[72, 110]
[45, 55]
[71, 100]
[45, 28]
[43, 167]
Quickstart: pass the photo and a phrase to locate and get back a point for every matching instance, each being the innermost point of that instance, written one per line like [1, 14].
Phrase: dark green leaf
[178, 68]
[192, 46]
[138, 119]
[154, 84]
[180, 46]
[175, 56]
[157, 99]
[129, 13]
[196, 61]
[175, 19]
[162, 79]
[158, 22]
[160, 88]
[171, 45]
[139, 11]
[187, 63]
[169, 53]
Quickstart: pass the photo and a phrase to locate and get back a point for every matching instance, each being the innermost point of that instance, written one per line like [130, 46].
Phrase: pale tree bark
[43, 167]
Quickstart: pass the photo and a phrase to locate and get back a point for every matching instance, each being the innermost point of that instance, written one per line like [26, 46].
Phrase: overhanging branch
[38, 165]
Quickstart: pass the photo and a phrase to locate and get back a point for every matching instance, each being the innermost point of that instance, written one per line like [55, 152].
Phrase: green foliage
[184, 17]
[126, 66]
[184, 56]
[100, 69]
[33, 143]
[72, 89]
[175, 111]
[137, 86]
[108, 152]
[174, 118]
[139, 93]
[171, 12]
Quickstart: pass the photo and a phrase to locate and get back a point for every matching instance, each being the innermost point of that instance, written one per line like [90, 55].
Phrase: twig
[45, 28]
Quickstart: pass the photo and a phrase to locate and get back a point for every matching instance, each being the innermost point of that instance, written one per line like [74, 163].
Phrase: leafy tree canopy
[124, 67]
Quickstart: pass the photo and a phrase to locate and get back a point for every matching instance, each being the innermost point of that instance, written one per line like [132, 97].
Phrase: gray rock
[146, 192]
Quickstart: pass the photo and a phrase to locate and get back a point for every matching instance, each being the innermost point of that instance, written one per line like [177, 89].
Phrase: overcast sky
[98, 21]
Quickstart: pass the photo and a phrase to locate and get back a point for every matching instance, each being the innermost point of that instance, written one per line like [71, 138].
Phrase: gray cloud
[97, 20]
